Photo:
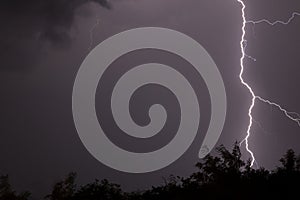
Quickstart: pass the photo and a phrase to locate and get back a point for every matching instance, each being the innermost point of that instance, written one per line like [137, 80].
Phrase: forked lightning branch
[243, 43]
[293, 116]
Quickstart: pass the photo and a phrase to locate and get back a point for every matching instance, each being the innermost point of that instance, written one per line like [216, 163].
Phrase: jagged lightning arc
[92, 32]
[243, 43]
[295, 14]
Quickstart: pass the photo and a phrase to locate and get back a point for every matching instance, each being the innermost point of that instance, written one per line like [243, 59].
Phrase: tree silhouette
[289, 161]
[7, 193]
[64, 190]
[224, 176]
[99, 190]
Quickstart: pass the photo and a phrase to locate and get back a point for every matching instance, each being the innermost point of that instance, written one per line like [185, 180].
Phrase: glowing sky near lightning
[37, 129]
[243, 44]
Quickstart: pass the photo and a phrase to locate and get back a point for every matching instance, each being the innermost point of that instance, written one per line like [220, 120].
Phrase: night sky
[43, 43]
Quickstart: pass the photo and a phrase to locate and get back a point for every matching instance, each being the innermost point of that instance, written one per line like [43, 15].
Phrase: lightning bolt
[243, 44]
[295, 117]
[294, 14]
[92, 32]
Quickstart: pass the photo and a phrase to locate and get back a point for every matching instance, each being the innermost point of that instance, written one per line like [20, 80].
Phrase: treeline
[225, 176]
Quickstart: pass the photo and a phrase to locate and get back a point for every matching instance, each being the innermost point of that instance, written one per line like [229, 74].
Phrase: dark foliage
[7, 193]
[225, 176]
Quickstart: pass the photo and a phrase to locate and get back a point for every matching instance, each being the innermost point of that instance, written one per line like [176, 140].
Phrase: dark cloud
[27, 25]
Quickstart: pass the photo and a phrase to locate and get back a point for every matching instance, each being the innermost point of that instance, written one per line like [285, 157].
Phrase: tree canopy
[225, 176]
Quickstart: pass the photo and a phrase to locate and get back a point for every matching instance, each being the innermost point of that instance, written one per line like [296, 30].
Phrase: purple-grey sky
[42, 45]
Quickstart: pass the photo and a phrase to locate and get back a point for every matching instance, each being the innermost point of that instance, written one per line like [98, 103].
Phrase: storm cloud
[31, 24]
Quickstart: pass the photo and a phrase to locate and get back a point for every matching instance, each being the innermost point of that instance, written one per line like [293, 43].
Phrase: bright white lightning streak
[243, 44]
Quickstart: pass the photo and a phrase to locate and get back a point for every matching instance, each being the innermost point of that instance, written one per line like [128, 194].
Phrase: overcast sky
[43, 43]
